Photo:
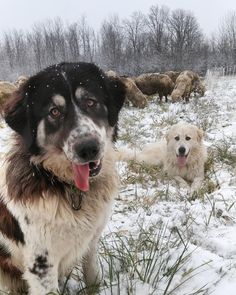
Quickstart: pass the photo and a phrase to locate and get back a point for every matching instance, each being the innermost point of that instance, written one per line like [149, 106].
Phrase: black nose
[182, 150]
[87, 150]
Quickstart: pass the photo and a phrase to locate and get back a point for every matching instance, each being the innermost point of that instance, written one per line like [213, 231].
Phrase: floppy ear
[115, 101]
[16, 114]
[167, 136]
[200, 134]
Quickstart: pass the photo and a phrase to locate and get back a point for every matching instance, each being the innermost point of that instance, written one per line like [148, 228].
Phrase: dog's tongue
[181, 161]
[81, 176]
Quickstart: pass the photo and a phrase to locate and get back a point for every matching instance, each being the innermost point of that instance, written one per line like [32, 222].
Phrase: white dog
[182, 154]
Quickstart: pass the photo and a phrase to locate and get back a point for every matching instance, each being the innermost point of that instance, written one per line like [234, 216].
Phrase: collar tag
[76, 198]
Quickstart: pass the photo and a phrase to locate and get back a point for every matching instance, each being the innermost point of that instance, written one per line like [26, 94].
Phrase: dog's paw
[193, 195]
[186, 187]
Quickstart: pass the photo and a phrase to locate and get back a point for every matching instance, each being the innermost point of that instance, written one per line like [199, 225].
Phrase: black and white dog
[58, 179]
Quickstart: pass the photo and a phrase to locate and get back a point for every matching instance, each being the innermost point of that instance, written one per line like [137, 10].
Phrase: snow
[211, 237]
[203, 229]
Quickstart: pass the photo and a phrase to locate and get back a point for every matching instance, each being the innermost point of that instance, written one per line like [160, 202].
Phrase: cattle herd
[178, 85]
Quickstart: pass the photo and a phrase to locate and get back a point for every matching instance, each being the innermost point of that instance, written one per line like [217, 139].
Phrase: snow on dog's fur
[58, 179]
[182, 155]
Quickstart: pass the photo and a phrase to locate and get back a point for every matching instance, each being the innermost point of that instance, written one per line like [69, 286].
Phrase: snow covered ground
[158, 240]
[196, 239]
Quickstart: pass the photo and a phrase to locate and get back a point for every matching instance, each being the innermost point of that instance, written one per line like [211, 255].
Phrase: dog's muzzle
[88, 150]
[182, 155]
[181, 151]
[90, 163]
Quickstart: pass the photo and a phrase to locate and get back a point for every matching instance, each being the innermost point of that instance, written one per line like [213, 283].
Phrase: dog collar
[76, 197]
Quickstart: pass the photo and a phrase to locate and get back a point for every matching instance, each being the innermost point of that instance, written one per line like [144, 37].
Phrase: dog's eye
[187, 138]
[177, 138]
[90, 103]
[54, 113]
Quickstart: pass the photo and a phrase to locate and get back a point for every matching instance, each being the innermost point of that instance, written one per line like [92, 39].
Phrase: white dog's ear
[200, 134]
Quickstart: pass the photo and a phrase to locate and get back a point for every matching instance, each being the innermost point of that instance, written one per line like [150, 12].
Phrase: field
[160, 241]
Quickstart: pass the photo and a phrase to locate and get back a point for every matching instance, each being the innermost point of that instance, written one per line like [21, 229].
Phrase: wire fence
[222, 71]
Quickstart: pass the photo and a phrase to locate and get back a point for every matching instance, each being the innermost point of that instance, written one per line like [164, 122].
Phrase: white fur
[41, 135]
[85, 128]
[164, 153]
[67, 236]
[59, 100]
[80, 92]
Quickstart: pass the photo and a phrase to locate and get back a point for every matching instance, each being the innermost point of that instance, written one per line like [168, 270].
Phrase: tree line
[158, 41]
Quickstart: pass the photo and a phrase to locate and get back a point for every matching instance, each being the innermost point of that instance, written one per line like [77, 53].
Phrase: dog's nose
[87, 150]
[182, 150]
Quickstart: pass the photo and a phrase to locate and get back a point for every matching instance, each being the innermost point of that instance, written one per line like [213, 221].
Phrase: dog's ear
[16, 114]
[167, 136]
[115, 101]
[200, 134]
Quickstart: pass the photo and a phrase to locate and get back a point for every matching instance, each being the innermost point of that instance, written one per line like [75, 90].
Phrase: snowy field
[174, 245]
[194, 240]
[159, 241]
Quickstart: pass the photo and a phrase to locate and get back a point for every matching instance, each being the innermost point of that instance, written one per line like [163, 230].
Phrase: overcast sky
[21, 14]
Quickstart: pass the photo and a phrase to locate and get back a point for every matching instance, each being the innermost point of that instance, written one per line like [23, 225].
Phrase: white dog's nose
[182, 150]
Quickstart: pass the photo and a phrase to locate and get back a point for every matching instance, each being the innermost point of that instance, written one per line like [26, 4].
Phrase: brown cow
[111, 73]
[173, 75]
[184, 85]
[155, 83]
[6, 89]
[21, 80]
[133, 94]
[192, 75]
[199, 88]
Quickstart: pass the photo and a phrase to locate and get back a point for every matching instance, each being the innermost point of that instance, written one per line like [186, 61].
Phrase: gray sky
[21, 14]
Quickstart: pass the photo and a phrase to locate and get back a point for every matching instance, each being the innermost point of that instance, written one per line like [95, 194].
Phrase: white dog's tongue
[181, 160]
[81, 176]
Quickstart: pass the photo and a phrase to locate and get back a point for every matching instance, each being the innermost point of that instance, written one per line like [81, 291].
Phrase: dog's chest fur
[67, 232]
[193, 168]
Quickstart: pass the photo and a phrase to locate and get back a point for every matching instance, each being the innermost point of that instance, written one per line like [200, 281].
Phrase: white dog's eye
[187, 138]
[177, 138]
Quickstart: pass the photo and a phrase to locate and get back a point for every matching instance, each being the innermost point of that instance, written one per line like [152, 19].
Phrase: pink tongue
[181, 160]
[81, 176]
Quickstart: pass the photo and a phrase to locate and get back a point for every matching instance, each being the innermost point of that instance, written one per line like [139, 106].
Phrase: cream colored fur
[164, 153]
[182, 88]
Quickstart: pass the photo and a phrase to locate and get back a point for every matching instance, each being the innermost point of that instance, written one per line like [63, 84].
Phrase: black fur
[41, 265]
[4, 253]
[31, 103]
[9, 225]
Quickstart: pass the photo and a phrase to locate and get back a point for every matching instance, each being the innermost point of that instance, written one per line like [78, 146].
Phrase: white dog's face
[183, 140]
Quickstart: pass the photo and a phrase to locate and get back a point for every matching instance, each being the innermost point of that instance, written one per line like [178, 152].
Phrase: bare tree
[184, 36]
[88, 40]
[226, 40]
[112, 39]
[73, 42]
[157, 21]
[159, 41]
[9, 49]
[36, 43]
[135, 32]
